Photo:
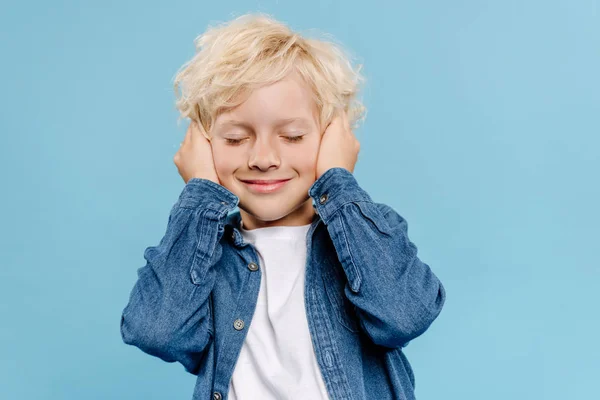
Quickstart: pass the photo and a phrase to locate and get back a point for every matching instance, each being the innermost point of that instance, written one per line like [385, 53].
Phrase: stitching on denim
[340, 311]
[195, 259]
[358, 278]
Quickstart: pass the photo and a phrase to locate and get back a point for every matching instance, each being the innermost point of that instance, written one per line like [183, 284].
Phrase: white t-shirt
[277, 360]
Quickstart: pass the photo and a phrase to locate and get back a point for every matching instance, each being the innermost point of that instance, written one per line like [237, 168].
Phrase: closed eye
[292, 139]
[233, 141]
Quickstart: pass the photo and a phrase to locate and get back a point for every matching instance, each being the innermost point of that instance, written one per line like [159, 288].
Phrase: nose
[264, 155]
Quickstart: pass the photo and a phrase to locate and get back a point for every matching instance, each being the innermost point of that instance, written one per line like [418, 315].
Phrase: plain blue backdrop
[482, 131]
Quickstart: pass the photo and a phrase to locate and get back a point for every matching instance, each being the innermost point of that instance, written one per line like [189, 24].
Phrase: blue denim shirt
[367, 294]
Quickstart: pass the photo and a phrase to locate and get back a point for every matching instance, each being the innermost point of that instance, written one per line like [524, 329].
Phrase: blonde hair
[255, 50]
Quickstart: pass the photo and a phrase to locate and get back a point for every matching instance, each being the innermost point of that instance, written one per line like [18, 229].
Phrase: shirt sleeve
[168, 313]
[397, 296]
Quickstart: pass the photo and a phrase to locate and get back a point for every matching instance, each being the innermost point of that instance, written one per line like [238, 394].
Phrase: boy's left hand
[339, 147]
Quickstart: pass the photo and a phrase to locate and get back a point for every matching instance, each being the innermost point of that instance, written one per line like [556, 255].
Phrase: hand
[339, 147]
[194, 158]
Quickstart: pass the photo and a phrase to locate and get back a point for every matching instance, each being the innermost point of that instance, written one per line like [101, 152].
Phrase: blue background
[482, 131]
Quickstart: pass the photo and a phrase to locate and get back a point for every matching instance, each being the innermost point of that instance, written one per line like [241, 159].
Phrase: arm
[168, 311]
[396, 295]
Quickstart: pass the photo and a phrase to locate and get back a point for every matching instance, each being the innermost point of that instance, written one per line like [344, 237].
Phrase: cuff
[336, 187]
[204, 193]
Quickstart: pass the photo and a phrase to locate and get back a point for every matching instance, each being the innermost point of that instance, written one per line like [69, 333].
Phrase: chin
[293, 213]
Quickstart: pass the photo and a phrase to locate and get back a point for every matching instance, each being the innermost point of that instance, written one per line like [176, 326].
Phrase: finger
[188, 134]
[346, 120]
[337, 118]
[200, 132]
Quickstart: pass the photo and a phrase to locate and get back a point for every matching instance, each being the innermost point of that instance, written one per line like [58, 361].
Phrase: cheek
[223, 160]
[304, 158]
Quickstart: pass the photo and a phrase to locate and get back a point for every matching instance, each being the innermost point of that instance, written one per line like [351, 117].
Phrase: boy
[311, 289]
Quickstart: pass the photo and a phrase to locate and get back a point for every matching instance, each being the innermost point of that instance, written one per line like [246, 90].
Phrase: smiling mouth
[265, 182]
[265, 186]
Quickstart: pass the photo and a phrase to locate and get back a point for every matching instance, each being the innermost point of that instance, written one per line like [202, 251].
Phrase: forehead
[288, 101]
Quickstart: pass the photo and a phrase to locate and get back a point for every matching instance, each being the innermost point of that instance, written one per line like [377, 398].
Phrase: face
[273, 135]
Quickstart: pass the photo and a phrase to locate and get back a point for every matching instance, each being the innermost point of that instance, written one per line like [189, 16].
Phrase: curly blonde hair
[255, 50]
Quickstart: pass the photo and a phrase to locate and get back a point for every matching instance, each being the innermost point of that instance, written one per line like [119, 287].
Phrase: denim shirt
[367, 294]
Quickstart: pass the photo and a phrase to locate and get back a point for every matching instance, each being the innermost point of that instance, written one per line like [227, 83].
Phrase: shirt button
[217, 396]
[224, 203]
[252, 266]
[232, 235]
[238, 324]
[323, 198]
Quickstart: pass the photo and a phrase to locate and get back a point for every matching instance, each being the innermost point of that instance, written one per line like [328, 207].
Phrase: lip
[265, 186]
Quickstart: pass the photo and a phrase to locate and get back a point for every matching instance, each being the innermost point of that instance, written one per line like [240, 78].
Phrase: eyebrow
[278, 123]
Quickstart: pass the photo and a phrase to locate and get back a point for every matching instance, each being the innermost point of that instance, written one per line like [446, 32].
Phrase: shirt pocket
[334, 281]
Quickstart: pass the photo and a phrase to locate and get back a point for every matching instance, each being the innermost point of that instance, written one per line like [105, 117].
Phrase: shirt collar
[232, 226]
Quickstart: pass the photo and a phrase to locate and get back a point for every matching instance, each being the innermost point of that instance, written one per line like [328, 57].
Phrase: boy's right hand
[194, 158]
